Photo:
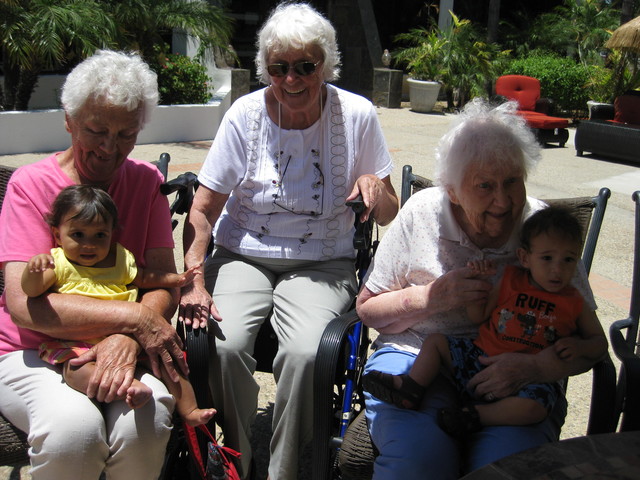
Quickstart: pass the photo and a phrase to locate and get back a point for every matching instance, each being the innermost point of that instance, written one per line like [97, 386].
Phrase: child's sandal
[381, 386]
[459, 422]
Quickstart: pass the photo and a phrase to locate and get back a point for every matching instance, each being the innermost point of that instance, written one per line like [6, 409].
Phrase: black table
[605, 456]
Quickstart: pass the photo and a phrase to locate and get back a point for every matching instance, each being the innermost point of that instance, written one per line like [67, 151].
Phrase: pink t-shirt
[143, 216]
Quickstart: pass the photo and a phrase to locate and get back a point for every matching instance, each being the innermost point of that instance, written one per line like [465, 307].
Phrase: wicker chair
[13, 442]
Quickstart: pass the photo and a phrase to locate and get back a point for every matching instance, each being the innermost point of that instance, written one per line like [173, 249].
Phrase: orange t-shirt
[526, 318]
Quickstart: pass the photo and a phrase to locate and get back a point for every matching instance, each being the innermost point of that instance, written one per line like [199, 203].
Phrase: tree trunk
[11, 77]
[493, 20]
[26, 86]
[626, 12]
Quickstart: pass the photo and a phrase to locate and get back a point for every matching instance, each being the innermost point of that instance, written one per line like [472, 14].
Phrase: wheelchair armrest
[602, 414]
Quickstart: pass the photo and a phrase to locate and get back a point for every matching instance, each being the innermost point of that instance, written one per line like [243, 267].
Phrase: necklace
[314, 152]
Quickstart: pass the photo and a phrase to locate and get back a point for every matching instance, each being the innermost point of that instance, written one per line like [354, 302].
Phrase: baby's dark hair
[88, 202]
[551, 220]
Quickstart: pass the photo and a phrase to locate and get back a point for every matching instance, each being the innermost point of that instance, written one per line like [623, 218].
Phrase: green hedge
[181, 80]
[563, 80]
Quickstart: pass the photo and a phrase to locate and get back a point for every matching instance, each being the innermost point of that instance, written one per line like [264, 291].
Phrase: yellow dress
[110, 283]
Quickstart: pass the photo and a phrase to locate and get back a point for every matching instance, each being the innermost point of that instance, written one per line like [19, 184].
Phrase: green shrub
[562, 79]
[181, 80]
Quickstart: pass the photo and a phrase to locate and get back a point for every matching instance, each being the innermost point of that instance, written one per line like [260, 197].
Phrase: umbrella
[626, 37]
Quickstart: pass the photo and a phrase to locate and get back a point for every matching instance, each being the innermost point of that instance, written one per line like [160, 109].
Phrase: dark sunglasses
[302, 68]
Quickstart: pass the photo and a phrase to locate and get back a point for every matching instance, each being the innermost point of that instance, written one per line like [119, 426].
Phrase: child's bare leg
[186, 403]
[511, 411]
[433, 354]
[406, 391]
[78, 378]
[508, 411]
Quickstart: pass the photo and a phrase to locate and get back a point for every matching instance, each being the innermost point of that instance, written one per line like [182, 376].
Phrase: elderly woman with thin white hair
[419, 285]
[107, 100]
[273, 190]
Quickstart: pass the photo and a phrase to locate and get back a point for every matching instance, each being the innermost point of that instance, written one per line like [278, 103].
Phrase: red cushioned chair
[535, 110]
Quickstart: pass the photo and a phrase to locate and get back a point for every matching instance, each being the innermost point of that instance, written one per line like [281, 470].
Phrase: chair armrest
[602, 414]
[629, 386]
[602, 111]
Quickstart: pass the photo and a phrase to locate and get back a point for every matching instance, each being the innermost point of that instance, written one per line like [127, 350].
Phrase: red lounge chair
[526, 91]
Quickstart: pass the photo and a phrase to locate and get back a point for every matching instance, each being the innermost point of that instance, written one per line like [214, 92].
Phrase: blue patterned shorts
[464, 358]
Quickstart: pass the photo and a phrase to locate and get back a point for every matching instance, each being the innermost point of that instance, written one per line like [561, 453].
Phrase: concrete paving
[412, 138]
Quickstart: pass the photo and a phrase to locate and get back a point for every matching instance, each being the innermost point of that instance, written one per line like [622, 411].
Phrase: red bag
[219, 464]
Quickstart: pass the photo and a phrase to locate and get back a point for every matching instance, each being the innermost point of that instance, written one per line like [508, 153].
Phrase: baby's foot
[199, 416]
[138, 394]
[400, 390]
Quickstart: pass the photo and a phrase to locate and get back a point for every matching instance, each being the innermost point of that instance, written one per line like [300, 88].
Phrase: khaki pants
[305, 297]
[72, 436]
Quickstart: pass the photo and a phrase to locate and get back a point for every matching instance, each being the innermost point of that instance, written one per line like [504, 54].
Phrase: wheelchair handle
[357, 204]
[183, 181]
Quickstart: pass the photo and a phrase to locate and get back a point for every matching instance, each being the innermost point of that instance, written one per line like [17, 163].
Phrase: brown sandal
[381, 386]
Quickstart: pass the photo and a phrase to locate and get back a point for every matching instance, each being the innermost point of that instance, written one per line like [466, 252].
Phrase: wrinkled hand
[503, 375]
[40, 263]
[567, 348]
[371, 188]
[196, 305]
[187, 277]
[115, 358]
[162, 344]
[457, 288]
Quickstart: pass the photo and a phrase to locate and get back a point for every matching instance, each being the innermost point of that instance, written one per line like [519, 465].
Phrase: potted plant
[423, 60]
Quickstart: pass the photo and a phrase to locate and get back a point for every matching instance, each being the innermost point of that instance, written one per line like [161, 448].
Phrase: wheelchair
[342, 447]
[266, 345]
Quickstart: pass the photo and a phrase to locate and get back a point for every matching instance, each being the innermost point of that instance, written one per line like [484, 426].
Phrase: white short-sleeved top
[424, 242]
[313, 175]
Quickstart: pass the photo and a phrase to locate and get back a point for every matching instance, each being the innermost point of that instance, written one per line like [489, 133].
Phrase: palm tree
[46, 34]
[55, 34]
[143, 24]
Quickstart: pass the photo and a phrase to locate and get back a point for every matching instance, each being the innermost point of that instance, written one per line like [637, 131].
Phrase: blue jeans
[411, 444]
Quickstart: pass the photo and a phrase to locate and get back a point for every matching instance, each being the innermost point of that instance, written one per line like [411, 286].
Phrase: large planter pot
[423, 94]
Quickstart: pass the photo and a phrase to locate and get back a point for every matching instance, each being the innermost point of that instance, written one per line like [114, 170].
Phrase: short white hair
[483, 134]
[116, 78]
[297, 26]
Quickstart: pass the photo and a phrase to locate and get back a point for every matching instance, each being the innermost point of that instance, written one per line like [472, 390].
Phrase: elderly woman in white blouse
[419, 285]
[272, 191]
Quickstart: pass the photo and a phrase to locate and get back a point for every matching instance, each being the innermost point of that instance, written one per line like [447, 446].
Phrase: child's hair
[551, 220]
[89, 203]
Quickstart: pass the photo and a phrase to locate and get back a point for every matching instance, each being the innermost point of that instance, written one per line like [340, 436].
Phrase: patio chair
[535, 110]
[625, 347]
[342, 447]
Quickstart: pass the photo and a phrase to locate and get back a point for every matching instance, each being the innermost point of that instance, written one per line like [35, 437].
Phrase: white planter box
[37, 131]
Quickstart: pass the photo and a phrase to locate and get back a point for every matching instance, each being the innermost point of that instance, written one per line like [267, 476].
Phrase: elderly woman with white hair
[273, 190]
[419, 285]
[107, 99]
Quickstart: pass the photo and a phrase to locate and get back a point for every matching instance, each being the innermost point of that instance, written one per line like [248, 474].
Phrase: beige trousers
[72, 436]
[304, 297]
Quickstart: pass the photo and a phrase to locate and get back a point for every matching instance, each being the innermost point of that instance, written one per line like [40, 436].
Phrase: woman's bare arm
[395, 311]
[196, 303]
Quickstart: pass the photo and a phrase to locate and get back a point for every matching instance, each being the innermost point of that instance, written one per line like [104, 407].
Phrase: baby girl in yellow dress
[87, 262]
